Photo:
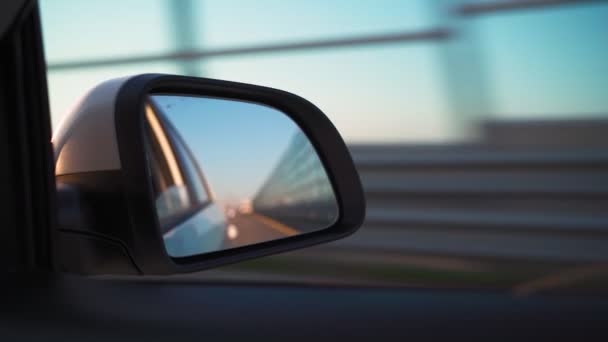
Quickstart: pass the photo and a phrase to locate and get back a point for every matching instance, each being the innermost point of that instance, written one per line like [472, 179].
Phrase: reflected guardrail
[298, 192]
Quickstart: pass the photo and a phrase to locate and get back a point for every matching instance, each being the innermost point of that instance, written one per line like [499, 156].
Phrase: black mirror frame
[148, 248]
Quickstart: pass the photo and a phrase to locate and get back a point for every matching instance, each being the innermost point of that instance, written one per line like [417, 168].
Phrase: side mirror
[161, 174]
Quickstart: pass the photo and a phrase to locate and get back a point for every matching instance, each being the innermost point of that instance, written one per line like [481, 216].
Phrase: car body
[187, 211]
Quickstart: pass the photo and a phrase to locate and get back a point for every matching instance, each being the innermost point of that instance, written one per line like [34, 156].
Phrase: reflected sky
[237, 144]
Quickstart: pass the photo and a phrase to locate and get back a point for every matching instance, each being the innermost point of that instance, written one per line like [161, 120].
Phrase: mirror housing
[108, 222]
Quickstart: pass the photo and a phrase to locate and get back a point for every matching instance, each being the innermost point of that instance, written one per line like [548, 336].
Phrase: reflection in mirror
[227, 173]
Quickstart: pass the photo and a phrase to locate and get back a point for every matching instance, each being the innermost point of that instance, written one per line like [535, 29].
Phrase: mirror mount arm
[84, 250]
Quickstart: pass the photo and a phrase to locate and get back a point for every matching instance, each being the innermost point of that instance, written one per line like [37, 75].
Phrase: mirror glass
[228, 173]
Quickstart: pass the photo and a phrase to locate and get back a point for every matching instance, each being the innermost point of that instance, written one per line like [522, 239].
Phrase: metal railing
[432, 34]
[308, 45]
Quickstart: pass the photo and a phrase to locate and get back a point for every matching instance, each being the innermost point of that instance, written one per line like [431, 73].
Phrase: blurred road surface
[247, 229]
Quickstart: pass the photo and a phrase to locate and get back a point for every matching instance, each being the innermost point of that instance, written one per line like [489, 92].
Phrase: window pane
[189, 168]
[496, 202]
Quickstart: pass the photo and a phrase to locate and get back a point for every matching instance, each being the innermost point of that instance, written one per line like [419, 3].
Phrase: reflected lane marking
[281, 228]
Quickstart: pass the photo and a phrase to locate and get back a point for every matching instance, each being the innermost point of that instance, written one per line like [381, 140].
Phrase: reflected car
[191, 221]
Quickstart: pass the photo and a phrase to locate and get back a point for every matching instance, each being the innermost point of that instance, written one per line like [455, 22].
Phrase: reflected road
[247, 229]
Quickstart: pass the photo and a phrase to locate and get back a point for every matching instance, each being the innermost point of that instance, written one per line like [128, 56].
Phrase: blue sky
[552, 62]
[549, 63]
